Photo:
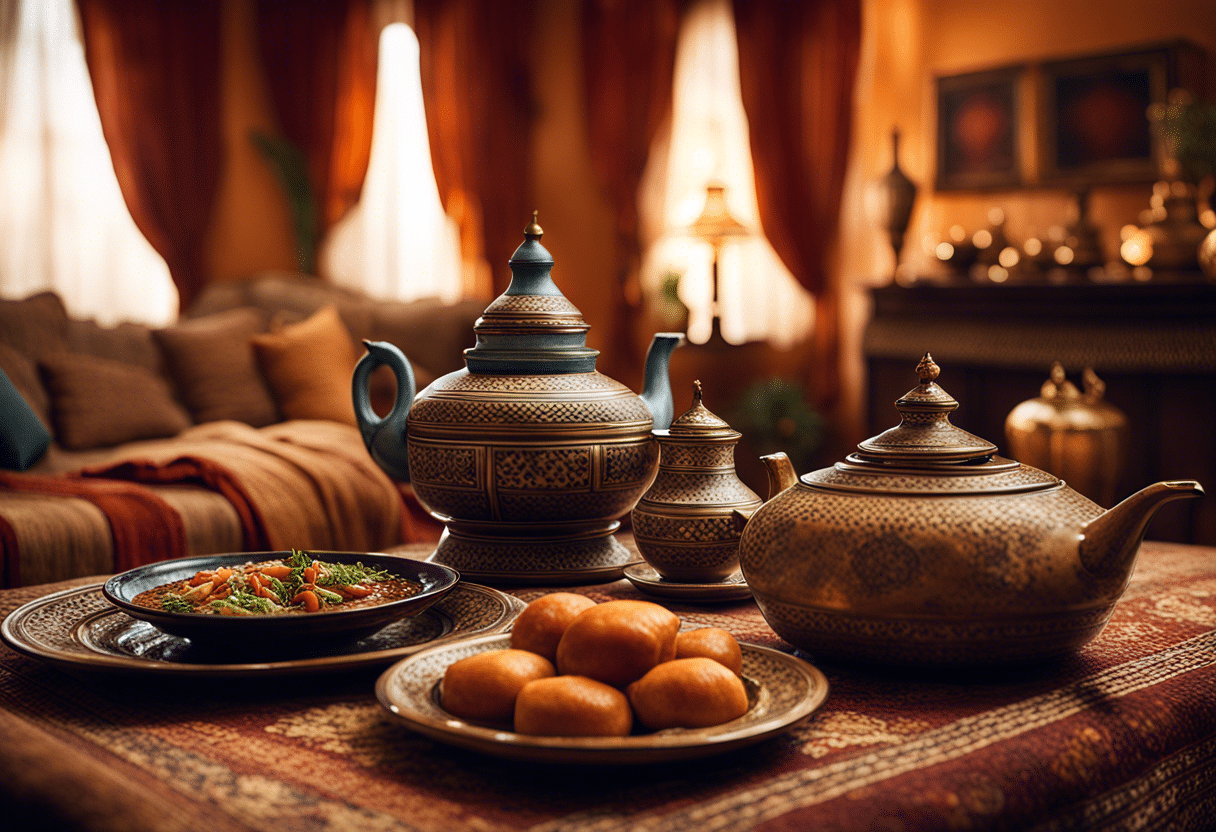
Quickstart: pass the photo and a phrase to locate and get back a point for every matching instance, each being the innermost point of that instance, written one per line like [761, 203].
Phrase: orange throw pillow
[309, 366]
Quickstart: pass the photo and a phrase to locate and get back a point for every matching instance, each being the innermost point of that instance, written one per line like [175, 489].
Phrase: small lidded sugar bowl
[684, 525]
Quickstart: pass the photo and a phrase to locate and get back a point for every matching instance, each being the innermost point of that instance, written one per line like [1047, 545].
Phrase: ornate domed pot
[925, 547]
[528, 454]
[684, 525]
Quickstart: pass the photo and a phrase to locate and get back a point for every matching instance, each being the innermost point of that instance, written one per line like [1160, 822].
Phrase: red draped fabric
[478, 99]
[320, 59]
[155, 72]
[628, 63]
[797, 69]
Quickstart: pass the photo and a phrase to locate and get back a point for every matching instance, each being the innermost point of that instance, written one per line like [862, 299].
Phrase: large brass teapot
[528, 454]
[924, 547]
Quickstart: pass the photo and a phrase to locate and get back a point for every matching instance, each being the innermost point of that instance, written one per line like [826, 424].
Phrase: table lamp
[716, 225]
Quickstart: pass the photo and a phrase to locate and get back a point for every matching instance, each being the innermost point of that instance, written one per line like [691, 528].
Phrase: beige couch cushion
[309, 366]
[212, 361]
[97, 402]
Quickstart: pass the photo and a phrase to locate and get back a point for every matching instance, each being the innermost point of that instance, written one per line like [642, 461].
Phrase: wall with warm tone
[909, 42]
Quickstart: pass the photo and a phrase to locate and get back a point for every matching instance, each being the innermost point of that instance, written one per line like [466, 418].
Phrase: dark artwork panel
[1102, 117]
[977, 144]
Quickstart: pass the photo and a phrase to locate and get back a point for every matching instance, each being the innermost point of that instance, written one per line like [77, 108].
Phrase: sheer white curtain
[759, 300]
[63, 222]
[397, 243]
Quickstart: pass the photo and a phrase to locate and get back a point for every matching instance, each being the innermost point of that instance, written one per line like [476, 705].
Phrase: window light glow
[758, 298]
[397, 243]
[63, 219]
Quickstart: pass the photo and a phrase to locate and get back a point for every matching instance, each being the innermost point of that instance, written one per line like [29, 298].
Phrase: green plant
[1190, 127]
[291, 169]
[774, 416]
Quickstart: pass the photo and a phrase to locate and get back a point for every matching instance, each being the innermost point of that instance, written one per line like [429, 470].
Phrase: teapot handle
[384, 437]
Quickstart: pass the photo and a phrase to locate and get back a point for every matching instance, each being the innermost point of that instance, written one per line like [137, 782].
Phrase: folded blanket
[303, 484]
[145, 528]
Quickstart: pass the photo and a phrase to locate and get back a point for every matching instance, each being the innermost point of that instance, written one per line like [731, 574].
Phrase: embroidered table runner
[1122, 736]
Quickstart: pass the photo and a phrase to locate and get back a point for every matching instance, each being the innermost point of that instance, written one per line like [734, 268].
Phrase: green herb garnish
[171, 602]
[345, 574]
[329, 597]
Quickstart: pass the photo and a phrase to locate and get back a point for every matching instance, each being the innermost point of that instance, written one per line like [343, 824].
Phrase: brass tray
[79, 630]
[782, 691]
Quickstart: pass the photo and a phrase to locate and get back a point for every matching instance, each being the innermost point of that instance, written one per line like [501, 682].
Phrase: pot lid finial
[924, 433]
[699, 421]
[534, 231]
[531, 328]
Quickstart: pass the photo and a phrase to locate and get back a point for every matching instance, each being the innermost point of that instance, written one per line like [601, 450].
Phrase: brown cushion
[216, 372]
[23, 373]
[128, 343]
[96, 402]
[309, 366]
[36, 326]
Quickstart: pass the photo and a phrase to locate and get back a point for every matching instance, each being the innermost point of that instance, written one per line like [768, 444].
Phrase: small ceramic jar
[684, 525]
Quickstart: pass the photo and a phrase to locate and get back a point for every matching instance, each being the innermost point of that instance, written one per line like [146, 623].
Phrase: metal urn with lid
[527, 454]
[684, 525]
[925, 547]
[1078, 436]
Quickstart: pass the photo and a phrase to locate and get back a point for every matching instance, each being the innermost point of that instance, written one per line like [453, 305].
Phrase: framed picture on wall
[1094, 125]
[977, 130]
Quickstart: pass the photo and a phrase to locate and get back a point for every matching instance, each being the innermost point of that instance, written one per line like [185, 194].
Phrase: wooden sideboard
[1153, 344]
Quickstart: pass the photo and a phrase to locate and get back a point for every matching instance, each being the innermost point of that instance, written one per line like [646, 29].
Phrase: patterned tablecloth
[1123, 736]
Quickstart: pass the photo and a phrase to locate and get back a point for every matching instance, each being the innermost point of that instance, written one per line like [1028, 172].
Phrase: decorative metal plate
[647, 580]
[78, 629]
[782, 691]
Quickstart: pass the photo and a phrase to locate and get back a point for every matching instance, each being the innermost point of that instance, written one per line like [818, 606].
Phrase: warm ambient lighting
[63, 219]
[397, 243]
[708, 143]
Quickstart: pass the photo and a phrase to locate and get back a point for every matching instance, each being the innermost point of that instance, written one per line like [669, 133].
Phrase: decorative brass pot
[684, 525]
[924, 547]
[1076, 436]
[528, 454]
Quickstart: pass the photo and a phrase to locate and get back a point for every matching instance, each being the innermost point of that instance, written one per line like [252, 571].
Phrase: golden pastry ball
[484, 686]
[540, 626]
[618, 641]
[572, 706]
[711, 643]
[688, 693]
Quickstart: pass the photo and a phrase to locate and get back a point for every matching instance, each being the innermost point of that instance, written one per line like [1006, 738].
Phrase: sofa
[232, 430]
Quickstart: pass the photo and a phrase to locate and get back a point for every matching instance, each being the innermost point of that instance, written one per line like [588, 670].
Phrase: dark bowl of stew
[235, 601]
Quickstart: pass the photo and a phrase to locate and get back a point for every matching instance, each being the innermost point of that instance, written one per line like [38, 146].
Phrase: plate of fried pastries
[611, 683]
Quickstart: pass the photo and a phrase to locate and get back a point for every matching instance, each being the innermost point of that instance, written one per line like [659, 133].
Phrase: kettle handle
[384, 437]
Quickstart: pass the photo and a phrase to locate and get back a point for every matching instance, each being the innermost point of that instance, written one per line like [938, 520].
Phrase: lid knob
[534, 231]
[928, 370]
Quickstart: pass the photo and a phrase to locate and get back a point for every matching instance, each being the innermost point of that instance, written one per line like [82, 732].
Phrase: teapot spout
[656, 394]
[1110, 541]
[781, 473]
[384, 438]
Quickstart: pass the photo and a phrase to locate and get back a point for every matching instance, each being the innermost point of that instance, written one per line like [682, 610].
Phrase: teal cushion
[23, 439]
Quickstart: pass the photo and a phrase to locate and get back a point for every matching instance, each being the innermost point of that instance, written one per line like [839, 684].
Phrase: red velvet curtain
[320, 58]
[155, 72]
[797, 69]
[478, 99]
[629, 51]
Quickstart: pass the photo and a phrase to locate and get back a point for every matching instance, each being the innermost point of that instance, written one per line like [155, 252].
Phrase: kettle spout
[384, 438]
[781, 473]
[656, 394]
[1110, 541]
